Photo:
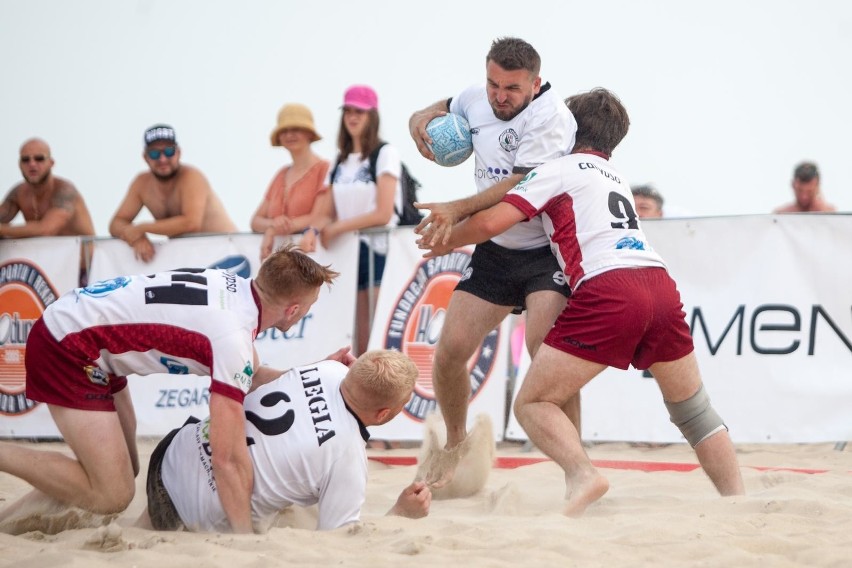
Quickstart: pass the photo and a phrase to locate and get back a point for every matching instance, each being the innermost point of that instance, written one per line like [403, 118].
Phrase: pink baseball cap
[362, 97]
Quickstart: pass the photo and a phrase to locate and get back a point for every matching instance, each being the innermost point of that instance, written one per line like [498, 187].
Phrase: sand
[790, 517]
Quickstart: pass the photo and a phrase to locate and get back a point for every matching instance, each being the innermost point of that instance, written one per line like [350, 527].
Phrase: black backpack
[409, 215]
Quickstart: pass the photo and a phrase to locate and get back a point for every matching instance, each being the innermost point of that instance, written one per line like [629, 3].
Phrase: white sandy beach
[658, 518]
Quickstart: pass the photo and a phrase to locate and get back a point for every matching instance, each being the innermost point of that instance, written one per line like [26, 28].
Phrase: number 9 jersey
[588, 214]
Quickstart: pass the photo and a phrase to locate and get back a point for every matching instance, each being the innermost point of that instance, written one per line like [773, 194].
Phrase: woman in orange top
[294, 198]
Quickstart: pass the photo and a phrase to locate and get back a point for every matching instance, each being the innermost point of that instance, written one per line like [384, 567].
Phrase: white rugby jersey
[588, 214]
[189, 321]
[543, 131]
[305, 445]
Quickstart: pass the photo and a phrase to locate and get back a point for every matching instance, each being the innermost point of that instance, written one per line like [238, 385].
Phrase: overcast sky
[724, 97]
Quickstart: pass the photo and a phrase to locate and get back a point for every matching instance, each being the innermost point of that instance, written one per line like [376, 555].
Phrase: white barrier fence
[769, 300]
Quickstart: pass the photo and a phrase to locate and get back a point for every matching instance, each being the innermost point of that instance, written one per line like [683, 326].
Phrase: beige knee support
[695, 418]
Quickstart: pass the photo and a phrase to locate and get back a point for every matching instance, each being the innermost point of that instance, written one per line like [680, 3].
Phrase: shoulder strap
[374, 158]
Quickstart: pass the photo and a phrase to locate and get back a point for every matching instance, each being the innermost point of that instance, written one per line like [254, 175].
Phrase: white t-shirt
[180, 322]
[543, 131]
[306, 448]
[354, 191]
[588, 212]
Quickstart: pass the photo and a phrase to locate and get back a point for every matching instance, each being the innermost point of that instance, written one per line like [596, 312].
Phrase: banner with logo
[769, 303]
[409, 315]
[33, 273]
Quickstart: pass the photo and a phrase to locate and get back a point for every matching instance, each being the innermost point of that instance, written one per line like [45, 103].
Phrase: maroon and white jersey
[188, 321]
[543, 131]
[588, 214]
[305, 445]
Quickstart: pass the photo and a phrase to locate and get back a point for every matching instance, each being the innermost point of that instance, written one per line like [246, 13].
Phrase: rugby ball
[451, 140]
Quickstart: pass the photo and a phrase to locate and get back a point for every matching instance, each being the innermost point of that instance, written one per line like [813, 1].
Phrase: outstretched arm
[475, 229]
[435, 228]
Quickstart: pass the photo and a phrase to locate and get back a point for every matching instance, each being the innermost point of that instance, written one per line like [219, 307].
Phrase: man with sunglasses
[178, 196]
[51, 206]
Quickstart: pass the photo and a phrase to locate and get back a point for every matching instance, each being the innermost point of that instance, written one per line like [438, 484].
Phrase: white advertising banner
[409, 314]
[769, 302]
[33, 273]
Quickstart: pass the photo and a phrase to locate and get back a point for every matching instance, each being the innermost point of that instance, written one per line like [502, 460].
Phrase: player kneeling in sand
[625, 308]
[306, 433]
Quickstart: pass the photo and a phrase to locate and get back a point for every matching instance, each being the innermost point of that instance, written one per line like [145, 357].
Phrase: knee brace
[695, 418]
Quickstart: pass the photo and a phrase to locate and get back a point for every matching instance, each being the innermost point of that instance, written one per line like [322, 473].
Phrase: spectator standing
[359, 201]
[293, 201]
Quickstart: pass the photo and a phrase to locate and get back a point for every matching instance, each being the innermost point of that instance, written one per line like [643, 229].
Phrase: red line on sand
[514, 462]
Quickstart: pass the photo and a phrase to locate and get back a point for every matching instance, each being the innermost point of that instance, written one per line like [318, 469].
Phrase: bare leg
[554, 377]
[542, 310]
[461, 335]
[679, 380]
[363, 323]
[101, 481]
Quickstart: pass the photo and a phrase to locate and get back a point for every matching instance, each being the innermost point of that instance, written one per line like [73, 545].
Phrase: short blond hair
[383, 377]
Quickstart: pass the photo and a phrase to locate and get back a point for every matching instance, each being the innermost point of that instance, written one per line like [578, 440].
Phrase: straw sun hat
[294, 115]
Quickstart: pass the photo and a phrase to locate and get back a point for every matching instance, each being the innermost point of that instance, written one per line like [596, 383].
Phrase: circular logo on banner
[24, 294]
[415, 326]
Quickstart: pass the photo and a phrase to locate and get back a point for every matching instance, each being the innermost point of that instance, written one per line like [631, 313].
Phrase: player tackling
[625, 308]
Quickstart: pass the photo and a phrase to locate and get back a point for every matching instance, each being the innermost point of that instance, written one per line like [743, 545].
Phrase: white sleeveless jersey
[305, 445]
[543, 131]
[189, 321]
[589, 215]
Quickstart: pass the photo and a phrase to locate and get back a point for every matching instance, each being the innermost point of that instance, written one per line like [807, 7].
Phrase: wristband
[314, 229]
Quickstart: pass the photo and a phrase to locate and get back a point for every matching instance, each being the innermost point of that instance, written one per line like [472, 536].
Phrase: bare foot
[580, 493]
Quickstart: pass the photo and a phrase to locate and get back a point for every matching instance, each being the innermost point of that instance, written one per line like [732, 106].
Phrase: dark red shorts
[622, 317]
[58, 376]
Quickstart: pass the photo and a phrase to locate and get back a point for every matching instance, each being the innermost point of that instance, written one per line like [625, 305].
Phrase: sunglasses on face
[27, 159]
[169, 151]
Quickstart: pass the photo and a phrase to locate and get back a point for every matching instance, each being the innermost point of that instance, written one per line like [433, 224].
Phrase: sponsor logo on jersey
[630, 243]
[492, 173]
[415, 327]
[96, 375]
[24, 294]
[509, 140]
[104, 287]
[173, 366]
[236, 264]
[522, 184]
[244, 378]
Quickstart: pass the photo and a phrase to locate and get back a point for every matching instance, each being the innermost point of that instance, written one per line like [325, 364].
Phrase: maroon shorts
[58, 376]
[622, 317]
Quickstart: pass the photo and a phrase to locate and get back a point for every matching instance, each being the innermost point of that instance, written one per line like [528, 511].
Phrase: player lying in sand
[306, 432]
[625, 308]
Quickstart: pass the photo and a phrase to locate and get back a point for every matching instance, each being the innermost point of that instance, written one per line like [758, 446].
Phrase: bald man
[51, 206]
